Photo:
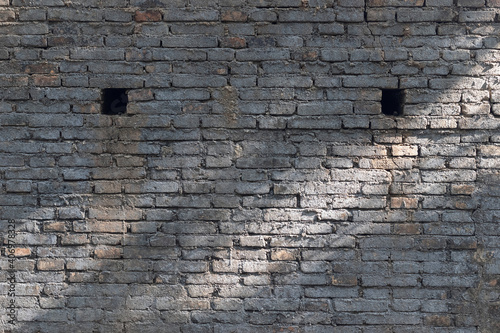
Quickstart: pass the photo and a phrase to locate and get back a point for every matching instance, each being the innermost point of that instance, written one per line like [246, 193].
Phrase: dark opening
[114, 101]
[393, 101]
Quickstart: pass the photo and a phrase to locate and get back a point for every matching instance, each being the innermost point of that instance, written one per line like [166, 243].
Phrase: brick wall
[254, 183]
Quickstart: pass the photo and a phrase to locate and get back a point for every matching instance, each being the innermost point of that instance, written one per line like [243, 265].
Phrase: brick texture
[254, 184]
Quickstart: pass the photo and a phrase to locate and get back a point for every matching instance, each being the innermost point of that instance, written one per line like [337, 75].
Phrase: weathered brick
[420, 15]
[197, 28]
[234, 16]
[254, 173]
[148, 16]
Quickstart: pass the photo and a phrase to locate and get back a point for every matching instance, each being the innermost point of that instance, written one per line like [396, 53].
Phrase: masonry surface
[253, 183]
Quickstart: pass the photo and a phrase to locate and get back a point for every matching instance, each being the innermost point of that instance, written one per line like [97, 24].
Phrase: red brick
[74, 239]
[407, 203]
[50, 264]
[22, 252]
[196, 108]
[140, 95]
[462, 244]
[407, 229]
[285, 255]
[462, 189]
[54, 226]
[234, 42]
[41, 68]
[108, 252]
[307, 56]
[344, 280]
[47, 80]
[432, 243]
[148, 16]
[98, 226]
[234, 16]
[79, 277]
[61, 41]
[87, 108]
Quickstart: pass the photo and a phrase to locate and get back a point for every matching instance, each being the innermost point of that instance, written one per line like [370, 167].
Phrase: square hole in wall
[393, 101]
[114, 101]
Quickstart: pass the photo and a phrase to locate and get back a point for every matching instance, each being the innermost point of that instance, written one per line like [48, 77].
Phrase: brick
[344, 280]
[190, 15]
[404, 203]
[275, 3]
[197, 28]
[22, 252]
[254, 173]
[234, 16]
[472, 3]
[115, 214]
[314, 123]
[439, 321]
[233, 42]
[189, 42]
[50, 265]
[107, 252]
[181, 94]
[393, 3]
[448, 176]
[24, 29]
[300, 81]
[262, 54]
[269, 202]
[64, 14]
[7, 16]
[422, 15]
[190, 81]
[148, 16]
[98, 54]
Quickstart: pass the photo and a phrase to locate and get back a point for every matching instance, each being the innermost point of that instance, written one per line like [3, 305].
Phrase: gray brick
[190, 81]
[333, 55]
[64, 14]
[182, 15]
[25, 29]
[419, 15]
[182, 94]
[365, 306]
[179, 54]
[314, 123]
[274, 3]
[448, 176]
[299, 81]
[305, 16]
[189, 42]
[262, 54]
[362, 81]
[98, 54]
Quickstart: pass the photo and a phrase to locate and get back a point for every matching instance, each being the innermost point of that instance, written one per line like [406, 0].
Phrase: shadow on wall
[73, 212]
[96, 230]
